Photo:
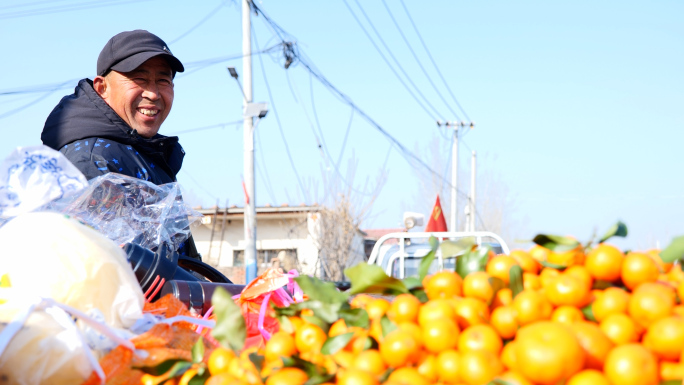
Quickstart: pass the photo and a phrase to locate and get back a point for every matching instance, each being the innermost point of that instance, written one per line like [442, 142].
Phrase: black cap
[126, 51]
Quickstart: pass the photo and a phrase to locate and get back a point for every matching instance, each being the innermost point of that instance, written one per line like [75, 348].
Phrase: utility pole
[248, 148]
[454, 180]
[472, 193]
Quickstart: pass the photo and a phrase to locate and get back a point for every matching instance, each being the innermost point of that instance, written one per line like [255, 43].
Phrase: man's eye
[139, 80]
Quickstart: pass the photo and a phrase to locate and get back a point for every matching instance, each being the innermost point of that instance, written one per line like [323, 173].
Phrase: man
[111, 123]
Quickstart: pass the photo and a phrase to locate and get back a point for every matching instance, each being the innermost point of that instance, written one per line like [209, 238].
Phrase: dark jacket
[94, 138]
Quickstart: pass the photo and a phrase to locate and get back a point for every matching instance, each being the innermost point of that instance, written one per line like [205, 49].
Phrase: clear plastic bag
[127, 209]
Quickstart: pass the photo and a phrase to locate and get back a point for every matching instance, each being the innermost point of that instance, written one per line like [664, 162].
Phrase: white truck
[399, 254]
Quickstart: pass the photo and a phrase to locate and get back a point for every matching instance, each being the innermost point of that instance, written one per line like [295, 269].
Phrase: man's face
[142, 97]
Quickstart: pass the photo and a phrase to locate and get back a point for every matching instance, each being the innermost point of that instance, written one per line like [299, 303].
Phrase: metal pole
[454, 182]
[248, 145]
[472, 193]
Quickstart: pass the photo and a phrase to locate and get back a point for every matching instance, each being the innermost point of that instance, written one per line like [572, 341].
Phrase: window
[287, 258]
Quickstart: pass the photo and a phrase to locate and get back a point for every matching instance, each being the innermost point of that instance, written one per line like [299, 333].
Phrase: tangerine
[309, 337]
[526, 262]
[588, 377]
[404, 308]
[567, 258]
[288, 376]
[512, 378]
[567, 315]
[650, 302]
[500, 266]
[356, 377]
[435, 309]
[440, 335]
[377, 307]
[478, 285]
[219, 360]
[471, 311]
[448, 364]
[620, 329]
[631, 364]
[531, 306]
[479, 367]
[427, 367]
[604, 262]
[280, 345]
[595, 343]
[407, 376]
[504, 321]
[480, 337]
[531, 281]
[638, 268]
[445, 284]
[399, 348]
[665, 338]
[370, 361]
[613, 300]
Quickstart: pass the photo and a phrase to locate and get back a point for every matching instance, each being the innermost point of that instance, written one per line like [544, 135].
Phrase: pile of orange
[596, 317]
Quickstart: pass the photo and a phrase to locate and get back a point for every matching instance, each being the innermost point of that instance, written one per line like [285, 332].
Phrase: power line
[65, 8]
[280, 127]
[418, 61]
[434, 110]
[433, 60]
[219, 125]
[29, 104]
[408, 155]
[197, 183]
[204, 20]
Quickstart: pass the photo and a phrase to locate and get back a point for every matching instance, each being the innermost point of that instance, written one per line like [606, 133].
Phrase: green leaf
[426, 261]
[198, 351]
[617, 230]
[370, 343]
[553, 265]
[412, 283]
[674, 251]
[318, 379]
[601, 285]
[327, 312]
[671, 382]
[199, 379]
[312, 319]
[383, 377]
[472, 261]
[311, 370]
[588, 313]
[367, 278]
[318, 290]
[456, 248]
[515, 276]
[337, 343]
[555, 243]
[355, 317]
[498, 381]
[257, 360]
[172, 366]
[387, 325]
[230, 330]
[497, 284]
[420, 294]
[286, 324]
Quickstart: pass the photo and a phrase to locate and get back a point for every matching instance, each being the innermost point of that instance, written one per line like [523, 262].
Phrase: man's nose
[151, 92]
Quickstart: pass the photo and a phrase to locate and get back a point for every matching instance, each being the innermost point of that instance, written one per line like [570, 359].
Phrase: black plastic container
[197, 295]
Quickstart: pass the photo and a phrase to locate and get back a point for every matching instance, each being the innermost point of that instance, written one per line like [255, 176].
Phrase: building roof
[376, 234]
[239, 211]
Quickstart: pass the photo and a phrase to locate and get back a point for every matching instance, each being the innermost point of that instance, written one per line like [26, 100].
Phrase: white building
[286, 234]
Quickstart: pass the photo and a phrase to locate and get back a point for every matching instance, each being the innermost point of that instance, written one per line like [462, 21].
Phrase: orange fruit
[480, 337]
[271, 367]
[595, 343]
[588, 377]
[479, 367]
[502, 297]
[415, 331]
[499, 267]
[215, 379]
[309, 337]
[539, 253]
[435, 309]
[471, 311]
[219, 360]
[650, 302]
[407, 376]
[613, 300]
[361, 300]
[448, 365]
[531, 306]
[445, 284]
[638, 268]
[547, 275]
[188, 375]
[676, 275]
[620, 329]
[631, 364]
[343, 358]
[567, 315]
[670, 371]
[504, 321]
[338, 327]
[665, 338]
[356, 377]
[295, 323]
[512, 378]
[678, 310]
[377, 307]
[567, 289]
[359, 340]
[662, 265]
[526, 262]
[567, 258]
[370, 361]
[580, 272]
[604, 262]
[399, 348]
[287, 376]
[531, 281]
[281, 344]
[548, 352]
[508, 356]
[440, 335]
[375, 330]
[404, 308]
[427, 367]
[477, 285]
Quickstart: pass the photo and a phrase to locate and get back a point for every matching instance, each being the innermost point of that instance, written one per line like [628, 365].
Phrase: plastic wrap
[126, 209]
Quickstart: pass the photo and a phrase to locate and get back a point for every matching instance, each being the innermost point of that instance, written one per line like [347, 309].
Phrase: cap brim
[132, 62]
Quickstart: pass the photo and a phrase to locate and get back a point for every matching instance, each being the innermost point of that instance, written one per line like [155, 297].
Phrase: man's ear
[100, 86]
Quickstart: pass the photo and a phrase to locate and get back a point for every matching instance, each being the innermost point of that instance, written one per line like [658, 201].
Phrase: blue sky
[578, 105]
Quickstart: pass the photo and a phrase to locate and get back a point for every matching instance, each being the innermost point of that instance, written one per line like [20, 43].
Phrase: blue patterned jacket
[94, 138]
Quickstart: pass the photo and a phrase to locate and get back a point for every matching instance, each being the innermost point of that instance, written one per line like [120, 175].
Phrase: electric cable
[280, 127]
[197, 183]
[434, 110]
[31, 103]
[204, 20]
[219, 125]
[401, 32]
[433, 60]
[65, 8]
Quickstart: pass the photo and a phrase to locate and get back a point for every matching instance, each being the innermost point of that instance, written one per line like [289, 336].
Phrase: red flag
[437, 222]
